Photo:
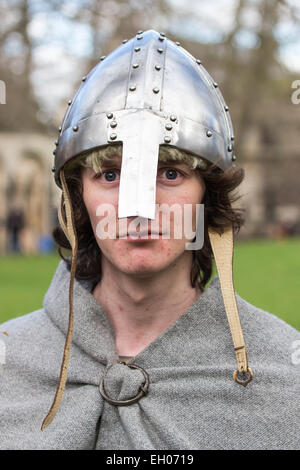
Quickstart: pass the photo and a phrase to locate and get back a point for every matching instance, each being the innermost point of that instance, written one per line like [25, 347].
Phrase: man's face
[176, 184]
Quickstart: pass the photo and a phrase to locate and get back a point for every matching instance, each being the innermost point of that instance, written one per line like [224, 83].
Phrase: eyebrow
[117, 160]
[171, 162]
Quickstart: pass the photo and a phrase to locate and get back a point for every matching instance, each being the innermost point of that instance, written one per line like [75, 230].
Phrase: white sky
[60, 44]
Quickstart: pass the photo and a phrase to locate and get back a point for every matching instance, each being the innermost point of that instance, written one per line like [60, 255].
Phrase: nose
[143, 221]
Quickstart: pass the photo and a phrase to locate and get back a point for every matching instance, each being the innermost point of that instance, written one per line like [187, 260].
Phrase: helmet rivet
[232, 138]
[198, 61]
[157, 67]
[113, 124]
[155, 90]
[162, 34]
[137, 49]
[83, 79]
[167, 139]
[160, 50]
[75, 128]
[59, 128]
[103, 57]
[113, 136]
[54, 152]
[229, 148]
[56, 143]
[233, 158]
[209, 133]
[109, 115]
[132, 88]
[173, 117]
[124, 41]
[226, 107]
[139, 37]
[215, 85]
[177, 43]
[169, 127]
[69, 102]
[140, 31]
[135, 66]
[53, 169]
[161, 38]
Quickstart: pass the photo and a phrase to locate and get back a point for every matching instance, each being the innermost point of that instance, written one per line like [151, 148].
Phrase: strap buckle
[243, 377]
[143, 389]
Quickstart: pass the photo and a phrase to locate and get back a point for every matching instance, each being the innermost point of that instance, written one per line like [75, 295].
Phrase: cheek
[99, 202]
[188, 201]
[182, 220]
[91, 204]
[191, 192]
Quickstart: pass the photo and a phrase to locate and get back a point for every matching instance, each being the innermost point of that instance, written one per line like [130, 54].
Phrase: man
[152, 364]
[15, 225]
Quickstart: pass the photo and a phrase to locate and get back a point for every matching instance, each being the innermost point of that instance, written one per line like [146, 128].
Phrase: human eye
[108, 176]
[170, 174]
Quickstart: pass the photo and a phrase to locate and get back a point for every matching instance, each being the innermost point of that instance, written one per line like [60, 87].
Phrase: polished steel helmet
[147, 92]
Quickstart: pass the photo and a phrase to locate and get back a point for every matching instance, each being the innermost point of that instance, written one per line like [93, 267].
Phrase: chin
[142, 269]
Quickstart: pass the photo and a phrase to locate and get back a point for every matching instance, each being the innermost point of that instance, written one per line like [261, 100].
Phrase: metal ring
[143, 388]
[248, 376]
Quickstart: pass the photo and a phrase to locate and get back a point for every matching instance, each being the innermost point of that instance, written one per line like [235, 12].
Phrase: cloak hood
[192, 401]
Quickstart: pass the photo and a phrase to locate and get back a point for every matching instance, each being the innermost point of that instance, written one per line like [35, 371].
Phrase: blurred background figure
[15, 225]
[285, 230]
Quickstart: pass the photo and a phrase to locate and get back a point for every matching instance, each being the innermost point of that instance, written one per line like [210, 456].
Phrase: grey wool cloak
[192, 402]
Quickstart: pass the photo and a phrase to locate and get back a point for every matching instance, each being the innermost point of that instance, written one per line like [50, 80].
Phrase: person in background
[15, 225]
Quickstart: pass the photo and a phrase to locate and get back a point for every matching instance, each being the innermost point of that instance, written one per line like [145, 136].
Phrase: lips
[145, 234]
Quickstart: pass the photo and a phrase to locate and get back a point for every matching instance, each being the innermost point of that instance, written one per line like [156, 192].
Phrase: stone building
[26, 182]
[271, 189]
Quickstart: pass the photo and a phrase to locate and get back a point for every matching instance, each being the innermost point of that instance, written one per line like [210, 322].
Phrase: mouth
[144, 235]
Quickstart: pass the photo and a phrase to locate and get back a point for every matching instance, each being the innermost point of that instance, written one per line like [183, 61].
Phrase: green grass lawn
[266, 274]
[24, 281]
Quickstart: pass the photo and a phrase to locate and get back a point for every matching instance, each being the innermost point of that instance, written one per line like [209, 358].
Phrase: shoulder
[271, 336]
[263, 321]
[32, 331]
[256, 322]
[25, 340]
[24, 323]
[27, 328]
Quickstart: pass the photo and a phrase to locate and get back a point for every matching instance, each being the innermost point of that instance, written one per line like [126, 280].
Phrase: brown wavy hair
[218, 214]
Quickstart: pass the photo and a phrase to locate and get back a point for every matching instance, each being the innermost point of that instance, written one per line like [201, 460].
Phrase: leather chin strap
[222, 246]
[68, 227]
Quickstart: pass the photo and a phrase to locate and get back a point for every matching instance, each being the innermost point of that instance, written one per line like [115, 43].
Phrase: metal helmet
[146, 93]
